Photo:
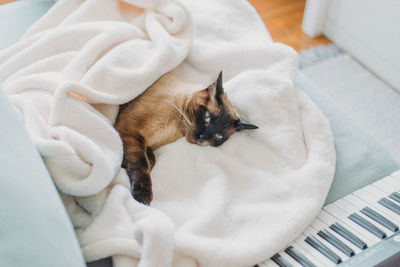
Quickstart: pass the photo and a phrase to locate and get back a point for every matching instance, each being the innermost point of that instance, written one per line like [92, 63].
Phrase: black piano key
[278, 259]
[367, 225]
[336, 242]
[315, 243]
[395, 196]
[380, 219]
[390, 205]
[299, 257]
[339, 229]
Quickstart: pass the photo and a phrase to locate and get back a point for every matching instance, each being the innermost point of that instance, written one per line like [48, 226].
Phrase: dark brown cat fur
[168, 110]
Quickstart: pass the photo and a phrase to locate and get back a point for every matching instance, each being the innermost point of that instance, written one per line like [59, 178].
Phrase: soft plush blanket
[234, 205]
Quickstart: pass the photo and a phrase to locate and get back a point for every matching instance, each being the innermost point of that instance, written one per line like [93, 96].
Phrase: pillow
[360, 160]
[34, 228]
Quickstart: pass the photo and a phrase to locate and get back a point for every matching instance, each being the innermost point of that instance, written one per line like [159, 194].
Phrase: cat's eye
[207, 117]
[218, 136]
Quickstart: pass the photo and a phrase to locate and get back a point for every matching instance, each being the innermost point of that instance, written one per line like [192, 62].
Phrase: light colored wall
[370, 31]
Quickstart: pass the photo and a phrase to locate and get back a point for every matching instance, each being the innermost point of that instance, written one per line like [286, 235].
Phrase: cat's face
[213, 117]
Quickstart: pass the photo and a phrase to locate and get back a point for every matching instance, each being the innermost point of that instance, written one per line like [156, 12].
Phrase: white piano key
[301, 244]
[339, 212]
[389, 210]
[345, 241]
[396, 175]
[352, 209]
[366, 196]
[392, 181]
[384, 187]
[343, 216]
[330, 219]
[374, 191]
[289, 259]
[345, 206]
[355, 201]
[314, 232]
[318, 224]
[395, 196]
[262, 264]
[362, 233]
[361, 203]
[315, 253]
[378, 225]
[272, 264]
[373, 198]
[391, 214]
[326, 217]
[268, 263]
[306, 254]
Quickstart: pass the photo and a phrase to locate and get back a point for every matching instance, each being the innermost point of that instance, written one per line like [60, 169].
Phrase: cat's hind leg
[138, 166]
[150, 156]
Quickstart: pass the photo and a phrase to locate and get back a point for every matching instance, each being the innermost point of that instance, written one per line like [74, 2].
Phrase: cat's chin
[194, 141]
[203, 143]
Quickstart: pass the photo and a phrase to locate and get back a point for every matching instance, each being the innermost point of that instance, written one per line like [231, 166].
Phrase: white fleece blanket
[234, 205]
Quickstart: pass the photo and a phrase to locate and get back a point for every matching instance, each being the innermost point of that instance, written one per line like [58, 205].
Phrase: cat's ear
[216, 88]
[220, 88]
[242, 124]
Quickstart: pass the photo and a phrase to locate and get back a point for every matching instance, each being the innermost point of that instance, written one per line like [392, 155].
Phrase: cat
[168, 110]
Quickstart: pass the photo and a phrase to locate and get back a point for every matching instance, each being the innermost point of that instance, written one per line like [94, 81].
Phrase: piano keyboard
[359, 230]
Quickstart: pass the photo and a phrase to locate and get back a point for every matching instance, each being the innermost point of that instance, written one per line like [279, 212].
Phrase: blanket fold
[234, 205]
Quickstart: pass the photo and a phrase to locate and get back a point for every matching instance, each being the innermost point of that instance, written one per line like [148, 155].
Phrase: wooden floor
[283, 20]
[5, 1]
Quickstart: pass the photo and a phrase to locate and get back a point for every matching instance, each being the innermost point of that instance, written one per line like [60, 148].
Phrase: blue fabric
[17, 17]
[360, 159]
[34, 227]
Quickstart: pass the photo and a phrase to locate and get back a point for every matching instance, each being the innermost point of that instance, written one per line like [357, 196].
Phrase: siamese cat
[168, 110]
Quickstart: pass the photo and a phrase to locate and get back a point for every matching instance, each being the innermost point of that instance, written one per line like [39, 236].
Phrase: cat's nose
[201, 137]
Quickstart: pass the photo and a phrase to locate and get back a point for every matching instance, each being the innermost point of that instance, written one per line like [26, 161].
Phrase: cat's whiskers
[186, 119]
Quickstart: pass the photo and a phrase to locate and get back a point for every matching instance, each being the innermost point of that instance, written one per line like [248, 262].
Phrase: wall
[370, 31]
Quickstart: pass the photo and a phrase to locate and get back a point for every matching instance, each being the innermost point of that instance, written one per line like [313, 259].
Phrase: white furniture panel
[369, 30]
[314, 17]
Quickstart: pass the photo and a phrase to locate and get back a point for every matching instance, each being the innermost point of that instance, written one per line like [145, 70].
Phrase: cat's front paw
[142, 192]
